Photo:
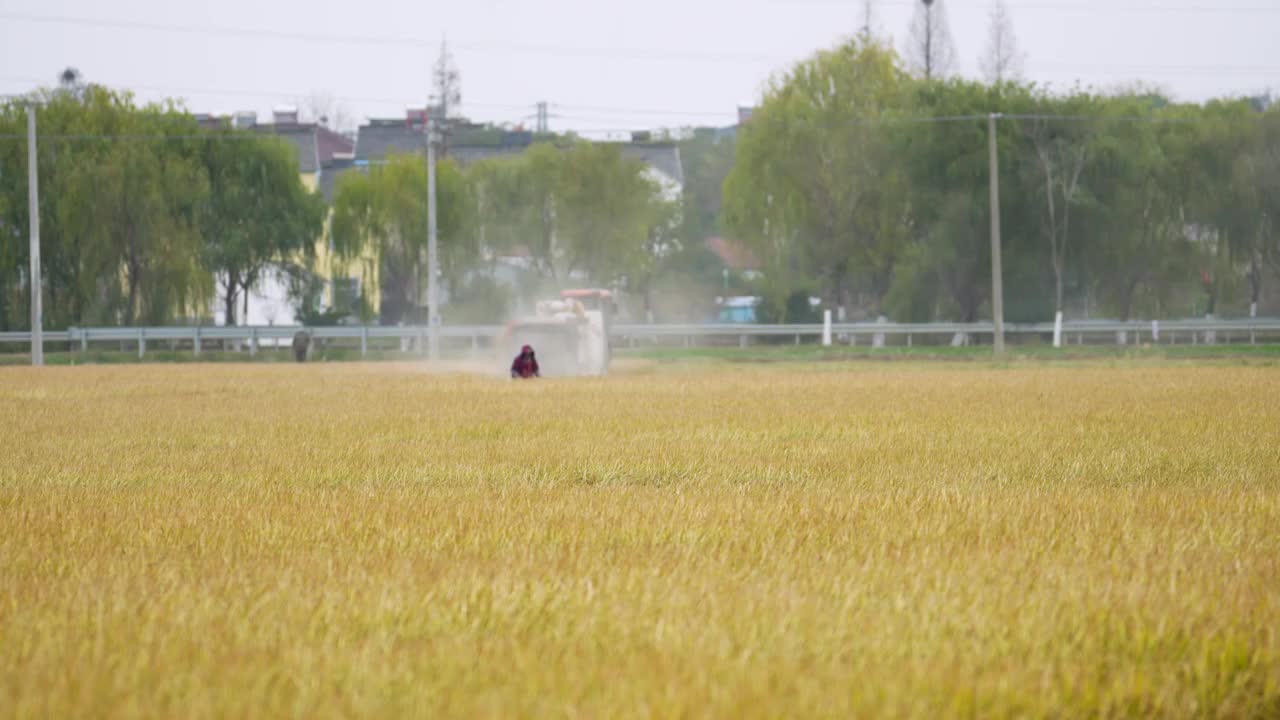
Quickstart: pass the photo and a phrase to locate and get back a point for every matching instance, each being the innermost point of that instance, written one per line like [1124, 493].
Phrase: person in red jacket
[525, 365]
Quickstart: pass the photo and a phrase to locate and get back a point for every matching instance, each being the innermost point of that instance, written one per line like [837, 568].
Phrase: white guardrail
[413, 338]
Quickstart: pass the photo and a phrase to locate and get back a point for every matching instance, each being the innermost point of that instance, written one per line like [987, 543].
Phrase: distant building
[730, 133]
[468, 143]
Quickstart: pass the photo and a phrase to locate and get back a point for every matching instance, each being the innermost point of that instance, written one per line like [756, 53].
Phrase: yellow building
[323, 156]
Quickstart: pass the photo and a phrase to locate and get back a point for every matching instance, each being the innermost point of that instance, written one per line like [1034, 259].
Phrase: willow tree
[257, 214]
[815, 190]
[515, 201]
[385, 210]
[121, 188]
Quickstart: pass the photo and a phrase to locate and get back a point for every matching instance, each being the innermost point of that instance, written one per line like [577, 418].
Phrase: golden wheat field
[717, 541]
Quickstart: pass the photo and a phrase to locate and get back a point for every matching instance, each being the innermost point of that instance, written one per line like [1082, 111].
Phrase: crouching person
[525, 365]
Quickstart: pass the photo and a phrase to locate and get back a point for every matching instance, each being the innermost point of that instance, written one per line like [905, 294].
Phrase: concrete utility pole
[997, 279]
[33, 201]
[433, 303]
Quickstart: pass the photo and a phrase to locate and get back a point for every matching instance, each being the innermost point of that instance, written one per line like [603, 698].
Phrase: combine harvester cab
[569, 335]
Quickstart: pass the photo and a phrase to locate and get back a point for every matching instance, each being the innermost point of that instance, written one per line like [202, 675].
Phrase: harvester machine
[570, 335]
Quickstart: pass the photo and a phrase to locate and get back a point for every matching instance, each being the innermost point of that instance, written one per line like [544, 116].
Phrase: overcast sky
[601, 64]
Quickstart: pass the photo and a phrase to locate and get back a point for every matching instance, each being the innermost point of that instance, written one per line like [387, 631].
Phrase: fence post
[195, 342]
[475, 344]
[364, 340]
[84, 340]
[1155, 332]
[142, 343]
[742, 341]
[1057, 329]
[253, 341]
[826, 328]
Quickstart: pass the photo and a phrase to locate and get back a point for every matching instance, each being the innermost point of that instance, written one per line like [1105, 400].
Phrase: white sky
[601, 64]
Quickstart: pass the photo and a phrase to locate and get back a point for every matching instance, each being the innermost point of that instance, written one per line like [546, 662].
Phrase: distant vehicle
[570, 335]
[738, 310]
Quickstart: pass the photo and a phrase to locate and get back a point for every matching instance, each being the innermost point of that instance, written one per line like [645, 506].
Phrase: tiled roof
[330, 143]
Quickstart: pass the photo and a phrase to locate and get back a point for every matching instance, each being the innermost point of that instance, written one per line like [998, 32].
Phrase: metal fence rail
[413, 338]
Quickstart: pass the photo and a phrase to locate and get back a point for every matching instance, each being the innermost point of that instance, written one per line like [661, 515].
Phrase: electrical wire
[648, 54]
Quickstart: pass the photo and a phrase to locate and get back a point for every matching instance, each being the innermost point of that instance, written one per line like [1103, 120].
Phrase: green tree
[579, 209]
[516, 203]
[120, 189]
[257, 213]
[1241, 164]
[605, 212]
[947, 273]
[1136, 251]
[707, 159]
[815, 190]
[1062, 139]
[1258, 174]
[386, 210]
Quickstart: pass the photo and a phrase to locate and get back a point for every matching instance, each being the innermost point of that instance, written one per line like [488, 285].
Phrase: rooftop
[317, 146]
[472, 143]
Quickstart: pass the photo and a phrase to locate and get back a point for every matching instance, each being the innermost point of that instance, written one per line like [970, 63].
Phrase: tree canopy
[854, 180]
[141, 210]
[869, 186]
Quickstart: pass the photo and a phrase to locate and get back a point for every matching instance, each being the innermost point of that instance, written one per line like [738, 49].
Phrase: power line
[617, 53]
[647, 54]
[214, 30]
[276, 94]
[1079, 7]
[640, 111]
[1117, 69]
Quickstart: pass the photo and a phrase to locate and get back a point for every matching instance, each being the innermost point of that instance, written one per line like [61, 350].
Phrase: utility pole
[997, 279]
[433, 304]
[33, 200]
[543, 124]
